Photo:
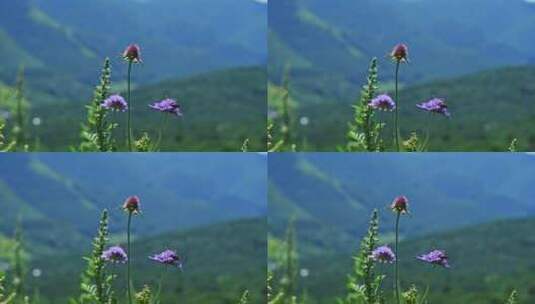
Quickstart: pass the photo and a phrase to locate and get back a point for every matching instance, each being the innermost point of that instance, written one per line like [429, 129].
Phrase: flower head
[167, 105]
[400, 53]
[132, 205]
[167, 257]
[115, 254]
[383, 254]
[115, 103]
[435, 257]
[435, 105]
[383, 102]
[132, 53]
[400, 204]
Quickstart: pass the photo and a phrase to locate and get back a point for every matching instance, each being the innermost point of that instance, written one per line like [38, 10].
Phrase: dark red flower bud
[131, 205]
[400, 53]
[400, 204]
[132, 53]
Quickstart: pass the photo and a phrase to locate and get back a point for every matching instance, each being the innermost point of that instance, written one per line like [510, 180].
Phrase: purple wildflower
[383, 102]
[435, 105]
[383, 254]
[167, 257]
[115, 103]
[167, 105]
[115, 254]
[132, 53]
[435, 257]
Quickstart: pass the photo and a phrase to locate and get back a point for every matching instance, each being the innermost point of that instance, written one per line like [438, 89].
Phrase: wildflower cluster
[365, 285]
[365, 131]
[97, 283]
[98, 132]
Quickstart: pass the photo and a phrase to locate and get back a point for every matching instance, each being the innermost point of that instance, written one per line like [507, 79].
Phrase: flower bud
[131, 205]
[132, 53]
[400, 204]
[400, 53]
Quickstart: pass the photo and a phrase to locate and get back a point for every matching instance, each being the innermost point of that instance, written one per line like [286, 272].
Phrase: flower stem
[128, 275]
[163, 124]
[159, 294]
[396, 122]
[129, 122]
[396, 275]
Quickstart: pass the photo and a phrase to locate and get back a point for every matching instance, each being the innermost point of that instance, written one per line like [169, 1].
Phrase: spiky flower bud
[400, 204]
[132, 205]
[132, 53]
[400, 53]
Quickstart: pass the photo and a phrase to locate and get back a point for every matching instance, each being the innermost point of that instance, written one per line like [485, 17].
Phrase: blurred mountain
[62, 43]
[488, 261]
[327, 45]
[337, 192]
[221, 109]
[488, 108]
[221, 261]
[59, 196]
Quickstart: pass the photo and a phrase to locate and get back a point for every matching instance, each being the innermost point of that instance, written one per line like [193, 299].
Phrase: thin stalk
[128, 274]
[396, 275]
[158, 299]
[163, 124]
[129, 122]
[427, 133]
[396, 122]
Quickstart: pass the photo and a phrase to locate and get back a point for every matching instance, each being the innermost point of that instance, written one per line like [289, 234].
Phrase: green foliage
[19, 267]
[278, 297]
[412, 144]
[96, 284]
[412, 296]
[144, 143]
[220, 109]
[245, 145]
[5, 297]
[364, 285]
[144, 296]
[513, 298]
[282, 125]
[244, 299]
[364, 133]
[208, 276]
[19, 131]
[5, 147]
[97, 132]
[288, 280]
[513, 145]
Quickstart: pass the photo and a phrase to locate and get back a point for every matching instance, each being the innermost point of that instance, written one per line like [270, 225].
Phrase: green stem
[427, 133]
[129, 122]
[128, 278]
[158, 299]
[396, 122]
[396, 275]
[163, 124]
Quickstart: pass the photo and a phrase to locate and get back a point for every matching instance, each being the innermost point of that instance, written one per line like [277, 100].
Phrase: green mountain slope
[63, 194]
[327, 192]
[221, 109]
[329, 44]
[221, 261]
[488, 261]
[488, 108]
[62, 43]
